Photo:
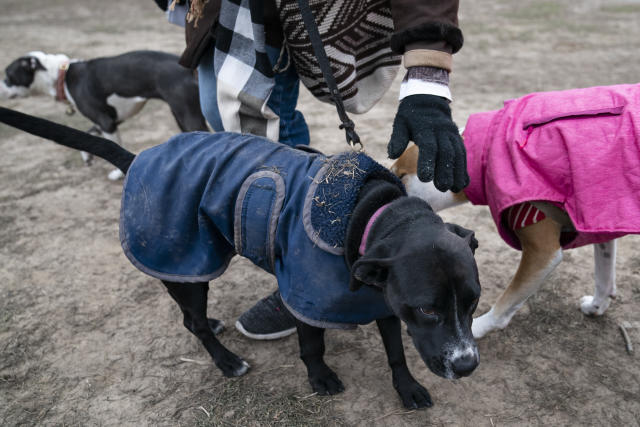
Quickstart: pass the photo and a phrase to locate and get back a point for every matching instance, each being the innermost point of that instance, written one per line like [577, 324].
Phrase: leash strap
[316, 42]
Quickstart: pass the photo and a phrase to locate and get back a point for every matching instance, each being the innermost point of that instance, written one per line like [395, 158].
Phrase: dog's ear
[369, 272]
[371, 269]
[35, 64]
[468, 235]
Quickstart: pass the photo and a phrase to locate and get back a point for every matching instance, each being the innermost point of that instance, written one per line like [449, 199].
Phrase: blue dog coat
[190, 204]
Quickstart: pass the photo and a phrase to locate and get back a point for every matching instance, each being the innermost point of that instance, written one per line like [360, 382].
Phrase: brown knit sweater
[418, 24]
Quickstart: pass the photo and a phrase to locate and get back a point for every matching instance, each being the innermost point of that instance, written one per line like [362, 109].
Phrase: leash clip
[353, 144]
[353, 139]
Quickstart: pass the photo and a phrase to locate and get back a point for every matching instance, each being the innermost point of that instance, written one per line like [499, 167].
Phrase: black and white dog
[108, 90]
[398, 261]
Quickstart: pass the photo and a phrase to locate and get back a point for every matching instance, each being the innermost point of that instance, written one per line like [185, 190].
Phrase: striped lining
[522, 215]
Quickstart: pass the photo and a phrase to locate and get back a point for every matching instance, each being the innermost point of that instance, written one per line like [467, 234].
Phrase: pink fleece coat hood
[578, 149]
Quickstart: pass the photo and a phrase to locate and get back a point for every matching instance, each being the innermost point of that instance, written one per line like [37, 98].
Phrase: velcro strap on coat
[256, 217]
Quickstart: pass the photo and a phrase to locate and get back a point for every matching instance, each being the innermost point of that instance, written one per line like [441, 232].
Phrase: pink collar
[365, 235]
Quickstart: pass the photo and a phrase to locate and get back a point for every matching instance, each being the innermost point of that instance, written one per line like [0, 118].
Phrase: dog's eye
[429, 314]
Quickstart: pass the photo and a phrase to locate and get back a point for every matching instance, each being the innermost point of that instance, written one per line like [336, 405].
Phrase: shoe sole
[273, 336]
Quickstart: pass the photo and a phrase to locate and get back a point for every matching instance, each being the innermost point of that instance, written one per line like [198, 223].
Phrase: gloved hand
[426, 120]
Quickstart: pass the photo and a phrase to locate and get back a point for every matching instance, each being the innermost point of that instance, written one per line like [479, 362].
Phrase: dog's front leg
[114, 136]
[541, 253]
[322, 379]
[192, 299]
[605, 278]
[412, 393]
[88, 157]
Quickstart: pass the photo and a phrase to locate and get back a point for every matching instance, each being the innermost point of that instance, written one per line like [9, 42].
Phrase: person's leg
[207, 90]
[283, 100]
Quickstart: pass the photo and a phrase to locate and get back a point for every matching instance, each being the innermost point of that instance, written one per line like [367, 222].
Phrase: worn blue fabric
[190, 204]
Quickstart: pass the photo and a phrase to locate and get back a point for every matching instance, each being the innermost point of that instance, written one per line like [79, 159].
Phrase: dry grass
[243, 402]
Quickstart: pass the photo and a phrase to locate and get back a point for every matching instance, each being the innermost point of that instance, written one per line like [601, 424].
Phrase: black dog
[396, 248]
[109, 90]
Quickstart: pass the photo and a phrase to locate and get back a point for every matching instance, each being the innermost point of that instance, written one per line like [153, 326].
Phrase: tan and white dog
[541, 252]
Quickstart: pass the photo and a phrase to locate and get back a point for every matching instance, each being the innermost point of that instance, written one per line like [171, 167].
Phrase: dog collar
[62, 72]
[367, 229]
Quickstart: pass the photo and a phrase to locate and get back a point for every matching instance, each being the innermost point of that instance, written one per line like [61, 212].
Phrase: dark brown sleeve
[199, 35]
[426, 24]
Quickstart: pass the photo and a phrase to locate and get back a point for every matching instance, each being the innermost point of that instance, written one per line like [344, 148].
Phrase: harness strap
[316, 42]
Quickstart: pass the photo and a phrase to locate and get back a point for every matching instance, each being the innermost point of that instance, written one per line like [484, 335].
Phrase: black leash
[323, 62]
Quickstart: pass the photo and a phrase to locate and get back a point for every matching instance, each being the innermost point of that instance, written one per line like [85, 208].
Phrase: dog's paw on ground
[484, 324]
[414, 395]
[593, 308]
[232, 365]
[115, 175]
[326, 383]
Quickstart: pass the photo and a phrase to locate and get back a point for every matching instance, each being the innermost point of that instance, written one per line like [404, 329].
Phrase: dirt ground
[86, 339]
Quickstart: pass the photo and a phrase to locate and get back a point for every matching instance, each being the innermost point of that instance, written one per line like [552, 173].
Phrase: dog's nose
[465, 363]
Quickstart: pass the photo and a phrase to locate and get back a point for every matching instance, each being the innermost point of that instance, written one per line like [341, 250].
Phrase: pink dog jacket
[578, 149]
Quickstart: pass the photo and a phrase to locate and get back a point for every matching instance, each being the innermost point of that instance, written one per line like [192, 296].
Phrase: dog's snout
[465, 364]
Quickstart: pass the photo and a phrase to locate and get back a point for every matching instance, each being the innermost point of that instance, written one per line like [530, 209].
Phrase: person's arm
[427, 34]
[199, 30]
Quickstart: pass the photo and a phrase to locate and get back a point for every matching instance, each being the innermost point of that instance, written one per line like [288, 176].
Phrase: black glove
[426, 120]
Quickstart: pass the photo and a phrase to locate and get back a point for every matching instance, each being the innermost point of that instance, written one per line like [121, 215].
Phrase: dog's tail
[64, 135]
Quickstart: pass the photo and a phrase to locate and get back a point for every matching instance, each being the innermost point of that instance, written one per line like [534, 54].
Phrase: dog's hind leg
[114, 136]
[184, 100]
[88, 157]
[412, 393]
[322, 379]
[192, 299]
[605, 278]
[541, 254]
[189, 119]
[105, 117]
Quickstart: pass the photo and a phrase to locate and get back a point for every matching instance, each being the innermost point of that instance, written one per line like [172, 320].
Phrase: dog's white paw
[87, 158]
[590, 307]
[488, 322]
[242, 369]
[484, 324]
[115, 175]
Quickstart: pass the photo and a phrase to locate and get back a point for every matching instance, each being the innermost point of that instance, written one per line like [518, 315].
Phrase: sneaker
[268, 319]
